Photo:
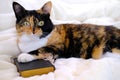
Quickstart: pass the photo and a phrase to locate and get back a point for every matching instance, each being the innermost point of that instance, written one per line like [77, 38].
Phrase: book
[36, 67]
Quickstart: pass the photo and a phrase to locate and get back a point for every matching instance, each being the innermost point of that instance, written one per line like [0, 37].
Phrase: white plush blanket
[105, 12]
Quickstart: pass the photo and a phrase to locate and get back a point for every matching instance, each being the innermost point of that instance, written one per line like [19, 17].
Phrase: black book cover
[36, 67]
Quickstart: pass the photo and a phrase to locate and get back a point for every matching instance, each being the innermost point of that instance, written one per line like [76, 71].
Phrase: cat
[39, 38]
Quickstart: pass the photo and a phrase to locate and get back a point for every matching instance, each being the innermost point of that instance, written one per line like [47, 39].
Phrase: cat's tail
[116, 41]
[113, 36]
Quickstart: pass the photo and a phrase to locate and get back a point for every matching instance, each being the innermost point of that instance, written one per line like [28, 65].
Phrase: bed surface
[101, 12]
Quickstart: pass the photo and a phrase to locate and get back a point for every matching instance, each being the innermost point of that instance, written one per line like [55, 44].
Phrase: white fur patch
[25, 57]
[31, 42]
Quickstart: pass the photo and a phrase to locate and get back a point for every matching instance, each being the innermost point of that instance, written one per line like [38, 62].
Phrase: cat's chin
[34, 36]
[31, 42]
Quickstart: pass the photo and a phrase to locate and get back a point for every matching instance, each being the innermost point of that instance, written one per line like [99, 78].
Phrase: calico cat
[39, 38]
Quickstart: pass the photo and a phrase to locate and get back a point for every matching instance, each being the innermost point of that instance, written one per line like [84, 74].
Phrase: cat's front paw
[25, 57]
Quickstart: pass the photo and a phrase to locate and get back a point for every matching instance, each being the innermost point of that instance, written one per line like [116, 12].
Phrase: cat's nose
[33, 30]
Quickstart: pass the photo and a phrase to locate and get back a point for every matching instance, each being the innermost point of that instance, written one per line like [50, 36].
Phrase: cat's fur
[65, 40]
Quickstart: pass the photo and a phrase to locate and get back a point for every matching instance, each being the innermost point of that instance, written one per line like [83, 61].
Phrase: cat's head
[35, 22]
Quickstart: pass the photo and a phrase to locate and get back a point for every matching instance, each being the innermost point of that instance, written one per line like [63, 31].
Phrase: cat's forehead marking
[32, 20]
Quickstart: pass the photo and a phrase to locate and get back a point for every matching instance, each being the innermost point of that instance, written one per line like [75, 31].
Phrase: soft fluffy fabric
[101, 12]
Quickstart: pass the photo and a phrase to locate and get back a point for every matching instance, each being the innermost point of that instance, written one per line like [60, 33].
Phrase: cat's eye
[26, 23]
[41, 23]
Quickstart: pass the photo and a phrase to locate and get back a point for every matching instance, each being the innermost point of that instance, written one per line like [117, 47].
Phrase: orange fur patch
[98, 51]
[57, 36]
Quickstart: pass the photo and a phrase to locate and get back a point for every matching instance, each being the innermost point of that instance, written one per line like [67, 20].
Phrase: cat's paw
[50, 59]
[25, 57]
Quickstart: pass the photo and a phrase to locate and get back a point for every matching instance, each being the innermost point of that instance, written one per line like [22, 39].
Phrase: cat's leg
[36, 54]
[27, 57]
[46, 56]
[98, 51]
[48, 53]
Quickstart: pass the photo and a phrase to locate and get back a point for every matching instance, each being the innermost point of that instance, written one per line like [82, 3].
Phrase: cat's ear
[46, 9]
[19, 10]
